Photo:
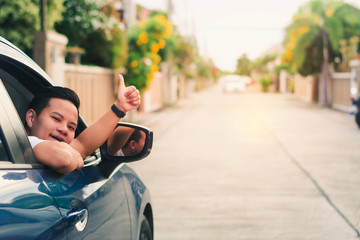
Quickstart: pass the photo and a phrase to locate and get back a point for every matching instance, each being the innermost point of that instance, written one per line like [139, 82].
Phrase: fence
[95, 87]
[153, 98]
[341, 91]
[306, 87]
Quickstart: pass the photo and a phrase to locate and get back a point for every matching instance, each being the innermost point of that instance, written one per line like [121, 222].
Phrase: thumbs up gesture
[128, 97]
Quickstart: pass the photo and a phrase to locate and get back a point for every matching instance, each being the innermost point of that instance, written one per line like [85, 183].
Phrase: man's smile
[60, 139]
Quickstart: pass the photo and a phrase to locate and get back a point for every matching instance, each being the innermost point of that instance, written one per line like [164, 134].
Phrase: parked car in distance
[104, 200]
[234, 83]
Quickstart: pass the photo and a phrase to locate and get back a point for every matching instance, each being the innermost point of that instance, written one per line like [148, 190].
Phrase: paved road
[253, 166]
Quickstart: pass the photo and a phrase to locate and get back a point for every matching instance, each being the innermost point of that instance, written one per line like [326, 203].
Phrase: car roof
[11, 51]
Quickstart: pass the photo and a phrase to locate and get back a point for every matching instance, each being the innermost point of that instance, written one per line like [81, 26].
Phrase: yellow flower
[143, 37]
[296, 33]
[329, 12]
[149, 76]
[287, 57]
[156, 58]
[154, 69]
[162, 19]
[154, 48]
[133, 64]
[162, 44]
[169, 29]
[166, 26]
[142, 23]
[304, 29]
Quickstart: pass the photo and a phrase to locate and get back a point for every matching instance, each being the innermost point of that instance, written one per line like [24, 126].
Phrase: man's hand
[95, 135]
[59, 156]
[128, 97]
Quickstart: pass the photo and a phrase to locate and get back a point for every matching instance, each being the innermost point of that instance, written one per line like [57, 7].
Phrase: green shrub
[265, 82]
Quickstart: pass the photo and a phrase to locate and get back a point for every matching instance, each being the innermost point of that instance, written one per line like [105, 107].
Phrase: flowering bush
[145, 41]
[107, 48]
[93, 26]
[265, 82]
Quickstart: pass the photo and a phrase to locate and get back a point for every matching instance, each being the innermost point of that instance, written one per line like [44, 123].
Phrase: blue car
[103, 200]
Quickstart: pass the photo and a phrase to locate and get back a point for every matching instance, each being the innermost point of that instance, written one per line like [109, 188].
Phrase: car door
[91, 206]
[84, 203]
[27, 209]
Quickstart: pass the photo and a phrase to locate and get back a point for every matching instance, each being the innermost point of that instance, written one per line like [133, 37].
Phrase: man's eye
[56, 119]
[72, 129]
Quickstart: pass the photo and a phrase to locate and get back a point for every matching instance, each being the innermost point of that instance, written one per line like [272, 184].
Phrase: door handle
[78, 218]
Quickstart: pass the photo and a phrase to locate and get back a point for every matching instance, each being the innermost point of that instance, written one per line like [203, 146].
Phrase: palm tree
[313, 39]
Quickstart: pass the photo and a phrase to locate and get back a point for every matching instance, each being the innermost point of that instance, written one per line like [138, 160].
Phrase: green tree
[184, 52]
[203, 68]
[313, 38]
[260, 64]
[243, 66]
[88, 26]
[106, 47]
[19, 19]
[80, 18]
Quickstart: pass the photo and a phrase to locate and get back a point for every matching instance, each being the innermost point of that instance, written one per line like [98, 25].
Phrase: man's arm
[59, 156]
[96, 134]
[118, 139]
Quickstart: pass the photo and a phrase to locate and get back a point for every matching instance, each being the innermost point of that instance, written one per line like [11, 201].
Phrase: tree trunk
[324, 94]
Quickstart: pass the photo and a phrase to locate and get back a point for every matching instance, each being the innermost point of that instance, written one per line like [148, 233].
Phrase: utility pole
[324, 80]
[43, 11]
[49, 48]
[170, 8]
[168, 94]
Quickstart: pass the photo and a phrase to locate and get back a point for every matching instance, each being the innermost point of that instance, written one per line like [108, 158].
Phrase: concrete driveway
[253, 166]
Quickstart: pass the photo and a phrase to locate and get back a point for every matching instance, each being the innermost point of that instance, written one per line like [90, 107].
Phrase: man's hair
[136, 136]
[42, 98]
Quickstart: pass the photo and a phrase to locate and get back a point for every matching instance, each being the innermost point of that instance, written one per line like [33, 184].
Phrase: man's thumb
[121, 83]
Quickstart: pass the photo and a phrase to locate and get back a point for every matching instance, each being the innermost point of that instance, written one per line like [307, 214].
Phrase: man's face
[140, 145]
[56, 122]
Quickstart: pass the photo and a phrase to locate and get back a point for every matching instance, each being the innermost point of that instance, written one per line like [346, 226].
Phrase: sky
[227, 29]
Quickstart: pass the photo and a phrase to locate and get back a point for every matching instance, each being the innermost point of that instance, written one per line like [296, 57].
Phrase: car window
[19, 95]
[22, 84]
[3, 153]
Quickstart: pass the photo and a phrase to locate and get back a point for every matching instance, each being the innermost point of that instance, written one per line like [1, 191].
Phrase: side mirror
[128, 143]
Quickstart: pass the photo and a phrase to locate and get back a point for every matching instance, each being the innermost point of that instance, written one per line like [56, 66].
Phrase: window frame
[32, 77]
[10, 136]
